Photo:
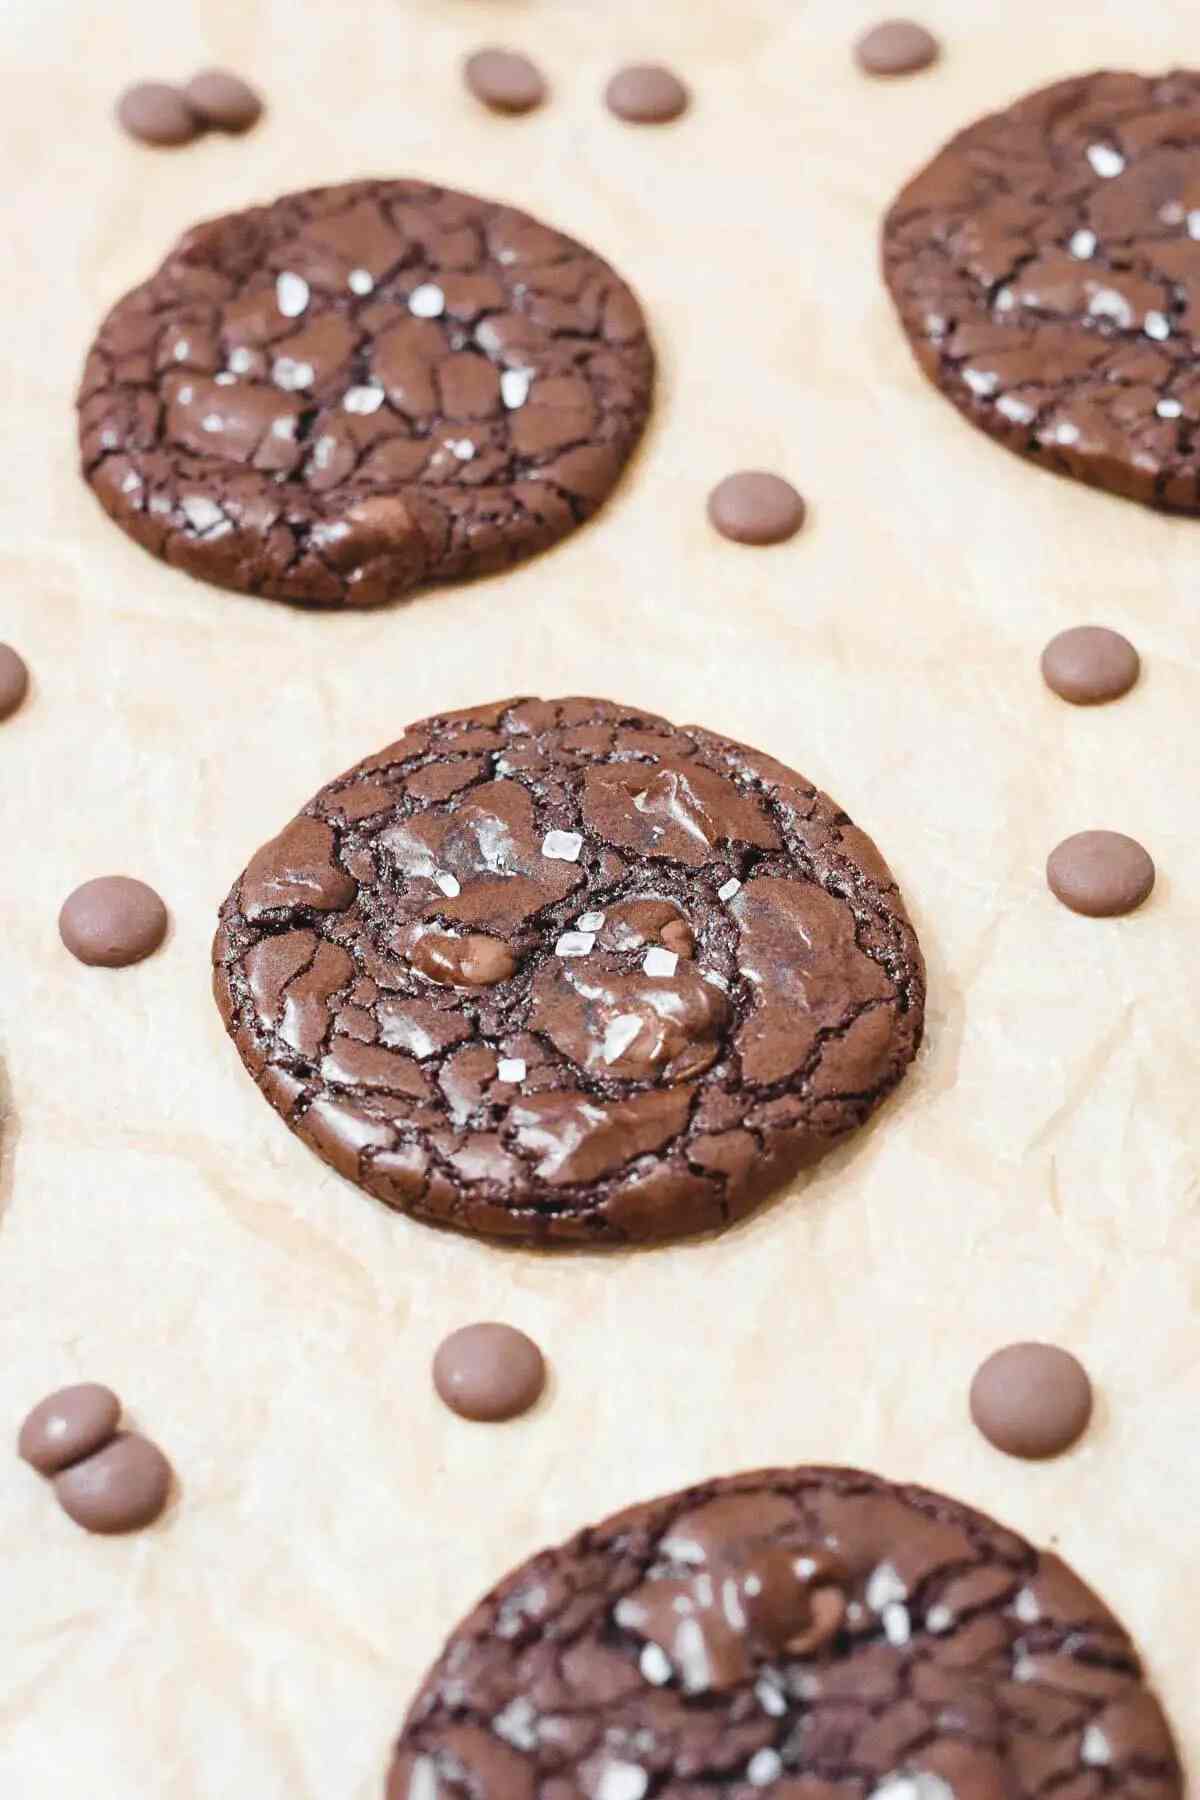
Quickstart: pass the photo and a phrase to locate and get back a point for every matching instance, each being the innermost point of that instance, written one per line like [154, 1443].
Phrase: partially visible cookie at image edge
[360, 390]
[1046, 267]
[805, 1632]
[562, 970]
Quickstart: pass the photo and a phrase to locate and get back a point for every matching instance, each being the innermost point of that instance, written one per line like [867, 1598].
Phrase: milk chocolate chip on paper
[107, 1480]
[562, 970]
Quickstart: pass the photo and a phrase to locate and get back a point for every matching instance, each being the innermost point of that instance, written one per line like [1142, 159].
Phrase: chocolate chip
[1090, 664]
[68, 1425]
[112, 921]
[1032, 1400]
[646, 94]
[505, 80]
[754, 507]
[155, 113]
[472, 961]
[14, 680]
[509, 966]
[223, 100]
[896, 47]
[677, 936]
[120, 1488]
[1100, 873]
[489, 1372]
[746, 1599]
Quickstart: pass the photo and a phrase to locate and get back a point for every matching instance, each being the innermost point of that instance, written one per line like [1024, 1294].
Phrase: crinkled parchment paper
[162, 1231]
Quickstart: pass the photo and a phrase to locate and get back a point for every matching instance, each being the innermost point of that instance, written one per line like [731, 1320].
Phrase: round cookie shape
[562, 970]
[1101, 874]
[808, 1632]
[360, 390]
[1046, 268]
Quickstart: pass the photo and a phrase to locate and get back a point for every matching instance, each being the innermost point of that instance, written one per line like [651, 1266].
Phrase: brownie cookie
[816, 1632]
[361, 389]
[1046, 266]
[559, 969]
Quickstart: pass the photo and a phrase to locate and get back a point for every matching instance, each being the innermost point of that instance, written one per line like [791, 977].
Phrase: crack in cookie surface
[358, 390]
[818, 1634]
[1046, 267]
[559, 969]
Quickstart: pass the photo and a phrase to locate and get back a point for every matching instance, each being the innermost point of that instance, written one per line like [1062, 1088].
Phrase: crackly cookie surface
[1046, 266]
[818, 1634]
[560, 969]
[361, 389]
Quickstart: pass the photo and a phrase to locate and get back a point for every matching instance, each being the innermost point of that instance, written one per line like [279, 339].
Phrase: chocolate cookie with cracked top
[362, 389]
[816, 1633]
[1046, 266]
[561, 970]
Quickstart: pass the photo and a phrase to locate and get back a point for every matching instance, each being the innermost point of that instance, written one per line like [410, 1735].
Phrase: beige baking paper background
[161, 1230]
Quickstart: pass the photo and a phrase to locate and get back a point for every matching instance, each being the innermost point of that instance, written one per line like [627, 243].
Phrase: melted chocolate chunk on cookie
[560, 969]
[727, 1597]
[362, 389]
[1046, 266]
[816, 1633]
